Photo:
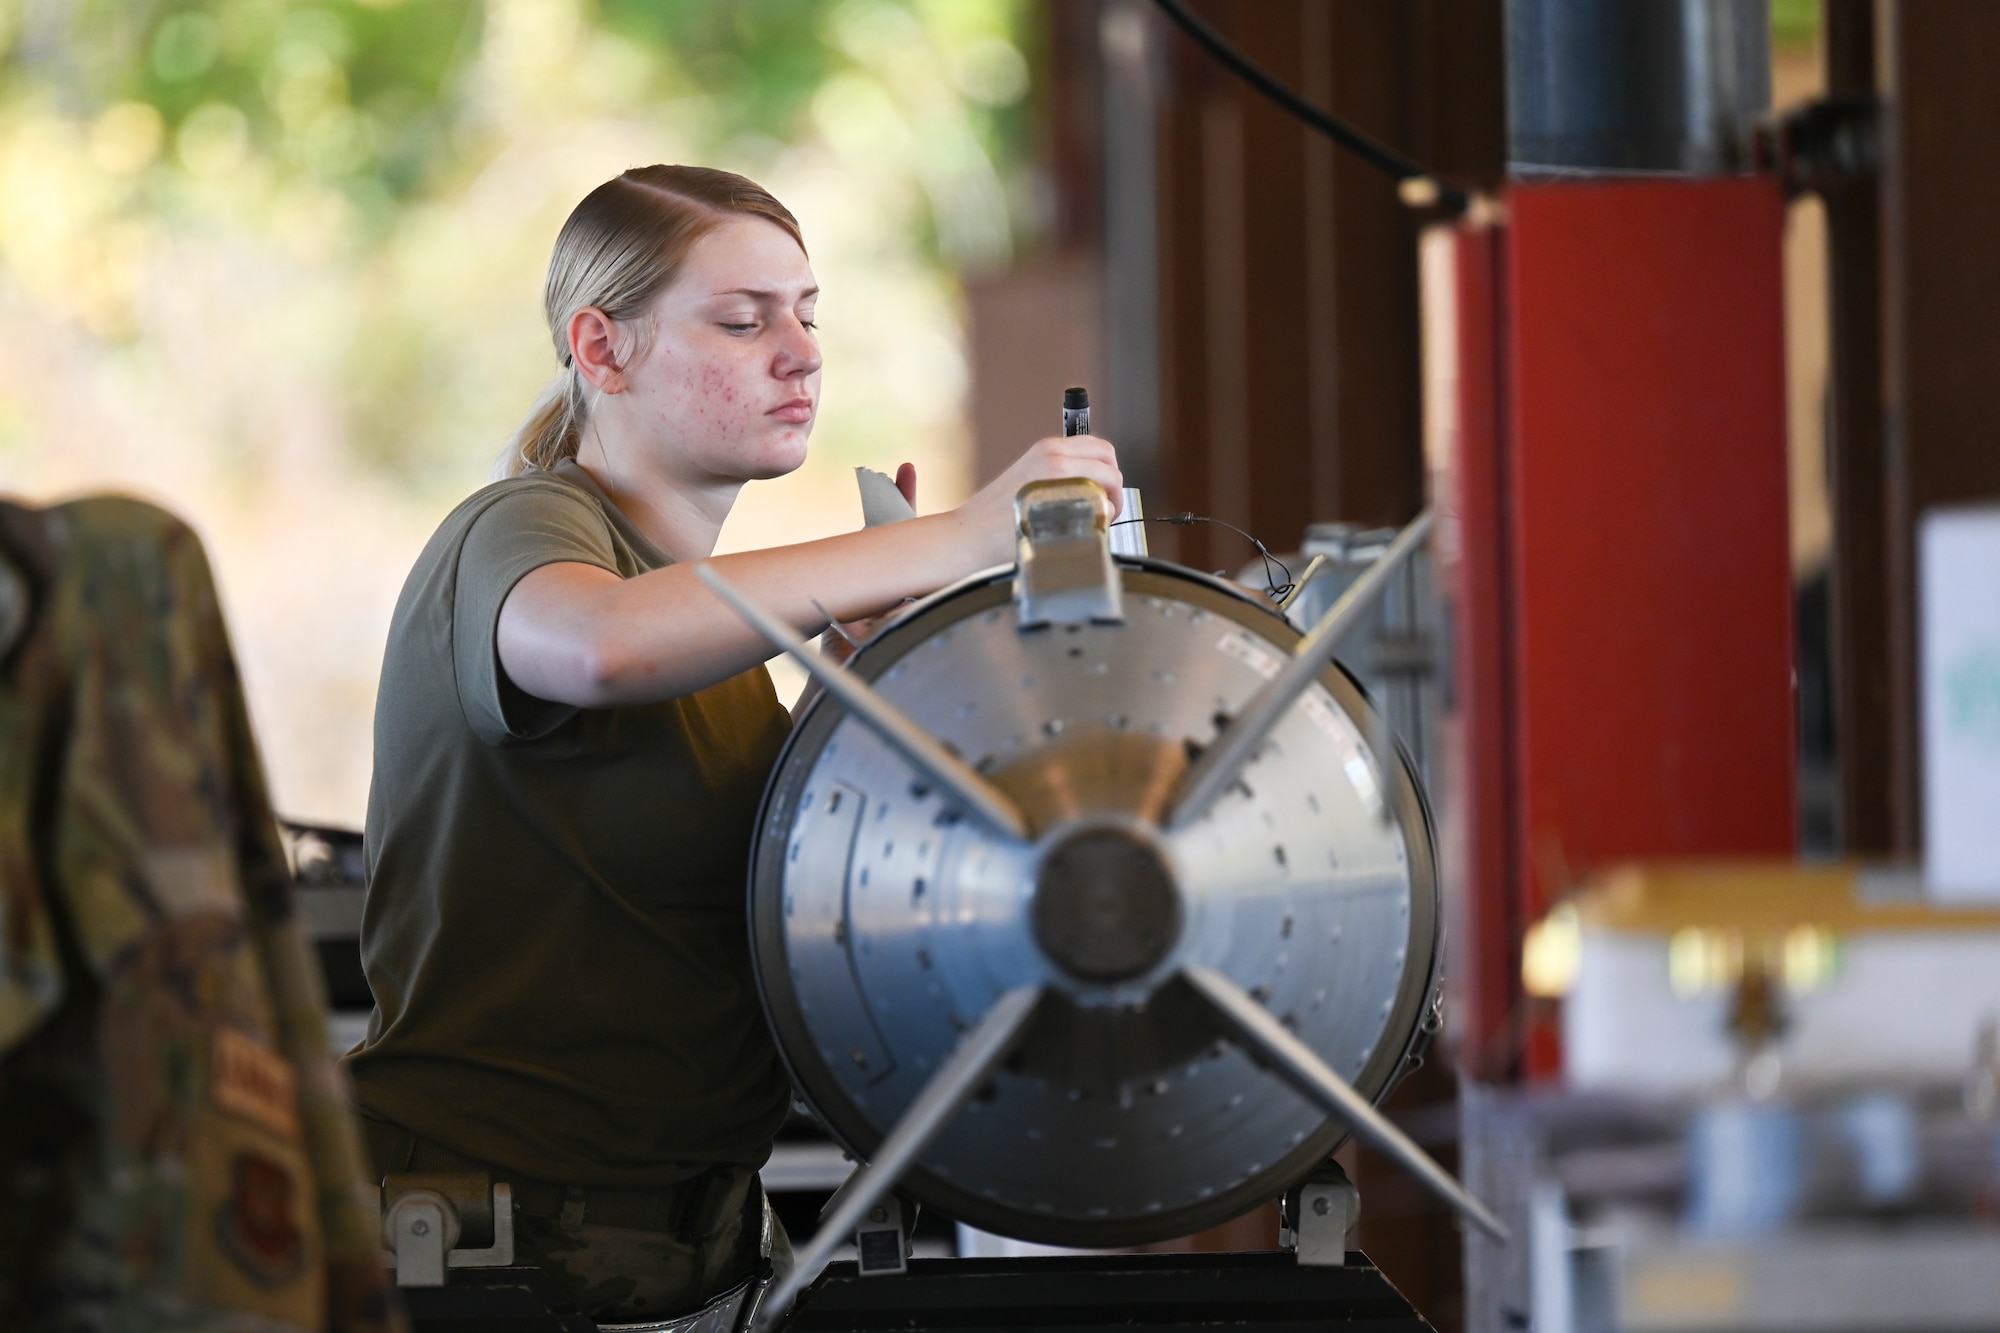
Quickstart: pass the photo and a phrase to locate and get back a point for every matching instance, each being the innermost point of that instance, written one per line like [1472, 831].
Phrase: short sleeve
[519, 532]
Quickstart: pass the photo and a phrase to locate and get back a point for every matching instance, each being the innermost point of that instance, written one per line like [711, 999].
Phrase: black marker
[1128, 537]
[1076, 411]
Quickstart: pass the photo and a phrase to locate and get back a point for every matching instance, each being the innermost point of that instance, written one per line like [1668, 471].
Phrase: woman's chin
[779, 457]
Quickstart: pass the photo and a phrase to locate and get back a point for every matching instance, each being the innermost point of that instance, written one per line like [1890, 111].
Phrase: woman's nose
[798, 351]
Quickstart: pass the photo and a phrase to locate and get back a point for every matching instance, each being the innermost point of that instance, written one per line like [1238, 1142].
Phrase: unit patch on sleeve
[247, 1078]
[257, 1223]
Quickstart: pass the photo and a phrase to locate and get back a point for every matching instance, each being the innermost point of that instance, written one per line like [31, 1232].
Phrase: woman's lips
[798, 411]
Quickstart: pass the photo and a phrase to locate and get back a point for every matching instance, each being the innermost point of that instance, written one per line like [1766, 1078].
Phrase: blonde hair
[621, 247]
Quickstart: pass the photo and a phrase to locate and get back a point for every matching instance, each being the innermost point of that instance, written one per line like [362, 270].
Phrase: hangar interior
[1502, 831]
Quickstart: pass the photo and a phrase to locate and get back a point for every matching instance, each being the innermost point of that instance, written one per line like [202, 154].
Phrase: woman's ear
[593, 346]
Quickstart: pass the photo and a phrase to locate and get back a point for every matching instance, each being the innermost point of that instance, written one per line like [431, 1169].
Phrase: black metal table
[1160, 1293]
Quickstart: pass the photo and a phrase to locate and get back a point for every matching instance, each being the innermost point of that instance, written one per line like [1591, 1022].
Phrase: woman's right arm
[580, 635]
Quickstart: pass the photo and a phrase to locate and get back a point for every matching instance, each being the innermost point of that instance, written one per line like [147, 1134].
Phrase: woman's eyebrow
[757, 294]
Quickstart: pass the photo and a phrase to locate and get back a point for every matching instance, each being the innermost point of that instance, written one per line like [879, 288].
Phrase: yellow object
[1786, 917]
[1765, 898]
[1552, 953]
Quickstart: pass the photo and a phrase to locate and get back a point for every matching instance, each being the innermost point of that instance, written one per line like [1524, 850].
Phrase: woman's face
[730, 384]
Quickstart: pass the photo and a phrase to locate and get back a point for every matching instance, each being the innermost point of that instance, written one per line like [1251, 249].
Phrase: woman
[571, 739]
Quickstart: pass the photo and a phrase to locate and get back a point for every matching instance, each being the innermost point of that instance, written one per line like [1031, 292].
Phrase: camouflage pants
[623, 1275]
[613, 1274]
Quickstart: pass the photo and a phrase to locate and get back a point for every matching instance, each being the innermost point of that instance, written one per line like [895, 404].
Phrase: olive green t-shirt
[556, 928]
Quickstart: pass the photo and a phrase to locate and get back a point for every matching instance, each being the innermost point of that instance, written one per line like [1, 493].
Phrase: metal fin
[1284, 1053]
[980, 798]
[972, 1062]
[1210, 775]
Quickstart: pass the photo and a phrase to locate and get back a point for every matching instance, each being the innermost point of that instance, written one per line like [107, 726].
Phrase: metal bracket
[882, 1234]
[1063, 541]
[425, 1216]
[1316, 1215]
[1128, 534]
[1823, 145]
[881, 1245]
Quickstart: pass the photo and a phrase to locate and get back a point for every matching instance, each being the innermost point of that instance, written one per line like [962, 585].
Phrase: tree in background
[279, 265]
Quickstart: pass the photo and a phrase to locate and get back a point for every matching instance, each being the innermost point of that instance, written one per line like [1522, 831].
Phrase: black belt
[691, 1210]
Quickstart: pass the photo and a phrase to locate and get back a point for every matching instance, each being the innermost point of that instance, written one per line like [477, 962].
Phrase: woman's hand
[988, 517]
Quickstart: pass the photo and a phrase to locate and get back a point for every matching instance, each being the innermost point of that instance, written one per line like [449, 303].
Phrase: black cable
[1277, 590]
[1378, 155]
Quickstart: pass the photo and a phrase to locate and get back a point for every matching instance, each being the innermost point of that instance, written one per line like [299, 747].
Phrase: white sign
[1960, 645]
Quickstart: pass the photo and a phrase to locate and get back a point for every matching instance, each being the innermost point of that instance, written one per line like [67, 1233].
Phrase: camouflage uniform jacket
[175, 1151]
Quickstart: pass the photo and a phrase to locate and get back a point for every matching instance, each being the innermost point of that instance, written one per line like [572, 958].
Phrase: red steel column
[1627, 663]
[1649, 566]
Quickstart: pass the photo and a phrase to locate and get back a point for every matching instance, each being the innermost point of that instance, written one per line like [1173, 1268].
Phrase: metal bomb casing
[885, 922]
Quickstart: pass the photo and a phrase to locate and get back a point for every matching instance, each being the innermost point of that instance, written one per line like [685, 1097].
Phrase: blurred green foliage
[761, 61]
[372, 95]
[362, 95]
[278, 265]
[337, 149]
[1794, 23]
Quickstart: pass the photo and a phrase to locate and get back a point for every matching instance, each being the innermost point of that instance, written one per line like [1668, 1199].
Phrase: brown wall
[1289, 338]
[1941, 317]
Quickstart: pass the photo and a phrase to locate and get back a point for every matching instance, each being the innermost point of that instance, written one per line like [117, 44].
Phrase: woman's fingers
[1074, 456]
[1083, 456]
[1077, 446]
[1051, 459]
[906, 482]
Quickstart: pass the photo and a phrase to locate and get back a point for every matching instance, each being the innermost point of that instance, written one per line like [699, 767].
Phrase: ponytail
[553, 429]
